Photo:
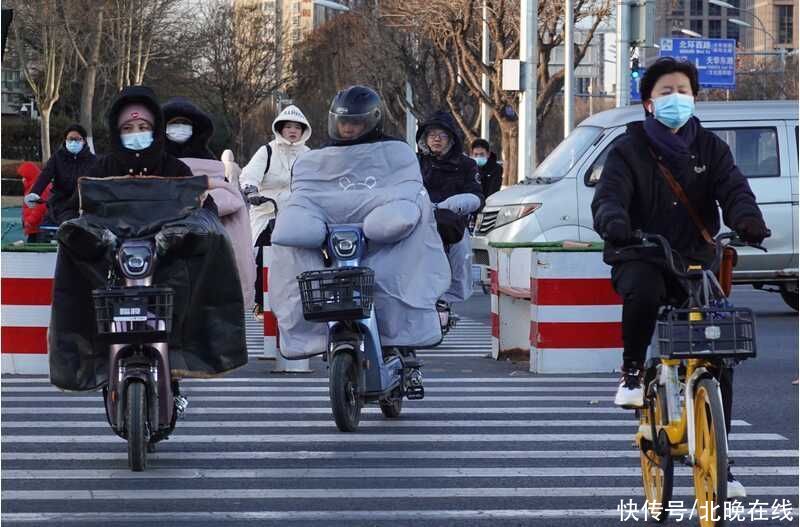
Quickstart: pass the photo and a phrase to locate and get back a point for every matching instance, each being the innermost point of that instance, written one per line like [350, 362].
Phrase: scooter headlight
[345, 244]
[135, 261]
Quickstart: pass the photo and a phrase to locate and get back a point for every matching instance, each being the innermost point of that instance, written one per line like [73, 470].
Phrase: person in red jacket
[32, 217]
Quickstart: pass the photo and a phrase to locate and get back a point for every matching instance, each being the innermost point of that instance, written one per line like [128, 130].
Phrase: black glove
[752, 230]
[249, 189]
[618, 232]
[256, 199]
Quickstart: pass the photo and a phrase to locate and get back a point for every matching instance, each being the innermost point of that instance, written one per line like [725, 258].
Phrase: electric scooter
[135, 319]
[361, 371]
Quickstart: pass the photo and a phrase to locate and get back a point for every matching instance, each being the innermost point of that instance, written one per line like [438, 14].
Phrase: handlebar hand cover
[392, 222]
[461, 203]
[300, 227]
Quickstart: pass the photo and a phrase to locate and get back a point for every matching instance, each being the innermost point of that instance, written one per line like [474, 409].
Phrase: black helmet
[355, 105]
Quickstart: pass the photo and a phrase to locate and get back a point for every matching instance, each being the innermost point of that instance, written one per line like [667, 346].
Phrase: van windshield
[567, 153]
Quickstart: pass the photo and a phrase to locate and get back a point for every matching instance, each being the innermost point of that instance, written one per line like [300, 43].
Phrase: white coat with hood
[275, 183]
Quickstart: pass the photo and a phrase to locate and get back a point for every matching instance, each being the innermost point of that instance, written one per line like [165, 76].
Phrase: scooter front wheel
[344, 392]
[136, 425]
[392, 408]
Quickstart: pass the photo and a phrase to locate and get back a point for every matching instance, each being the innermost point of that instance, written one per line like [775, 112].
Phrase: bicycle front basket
[722, 333]
[337, 294]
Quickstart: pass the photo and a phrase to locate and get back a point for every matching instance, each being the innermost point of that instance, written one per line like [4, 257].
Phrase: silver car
[554, 203]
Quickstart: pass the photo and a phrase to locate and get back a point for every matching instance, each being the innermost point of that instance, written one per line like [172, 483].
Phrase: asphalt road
[491, 445]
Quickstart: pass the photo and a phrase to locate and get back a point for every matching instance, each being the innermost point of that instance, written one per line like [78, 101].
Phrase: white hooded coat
[275, 183]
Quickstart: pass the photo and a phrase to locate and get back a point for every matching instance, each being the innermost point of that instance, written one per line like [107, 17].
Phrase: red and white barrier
[575, 314]
[272, 332]
[270, 322]
[509, 276]
[27, 292]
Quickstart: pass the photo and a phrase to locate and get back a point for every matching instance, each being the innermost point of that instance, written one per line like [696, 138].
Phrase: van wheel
[789, 296]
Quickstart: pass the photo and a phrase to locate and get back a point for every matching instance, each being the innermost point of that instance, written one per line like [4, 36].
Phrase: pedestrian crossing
[491, 444]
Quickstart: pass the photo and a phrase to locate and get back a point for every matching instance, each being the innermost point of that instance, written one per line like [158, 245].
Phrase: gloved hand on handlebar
[249, 189]
[752, 230]
[618, 232]
[32, 199]
[256, 199]
[466, 203]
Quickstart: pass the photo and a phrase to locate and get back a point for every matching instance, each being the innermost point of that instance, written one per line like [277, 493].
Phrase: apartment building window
[696, 8]
[582, 85]
[714, 10]
[784, 16]
[732, 31]
[714, 29]
[696, 26]
[678, 7]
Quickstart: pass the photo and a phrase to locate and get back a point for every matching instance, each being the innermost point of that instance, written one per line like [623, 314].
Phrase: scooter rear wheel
[136, 425]
[344, 392]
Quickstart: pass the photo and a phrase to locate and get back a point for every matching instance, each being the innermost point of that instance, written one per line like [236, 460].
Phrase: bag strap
[681, 195]
[269, 158]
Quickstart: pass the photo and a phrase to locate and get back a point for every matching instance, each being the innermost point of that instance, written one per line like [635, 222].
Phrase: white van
[554, 203]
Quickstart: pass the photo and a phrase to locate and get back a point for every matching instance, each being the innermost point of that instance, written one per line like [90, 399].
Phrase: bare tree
[42, 48]
[454, 26]
[238, 68]
[86, 43]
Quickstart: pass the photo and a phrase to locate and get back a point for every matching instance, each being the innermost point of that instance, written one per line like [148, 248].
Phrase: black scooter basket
[344, 293]
[721, 333]
[133, 314]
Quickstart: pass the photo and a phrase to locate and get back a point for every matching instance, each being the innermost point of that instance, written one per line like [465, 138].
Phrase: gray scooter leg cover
[460, 257]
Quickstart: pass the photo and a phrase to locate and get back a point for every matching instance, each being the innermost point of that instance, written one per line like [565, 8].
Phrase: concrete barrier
[27, 292]
[566, 318]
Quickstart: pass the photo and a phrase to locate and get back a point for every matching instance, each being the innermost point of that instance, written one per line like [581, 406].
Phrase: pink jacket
[233, 214]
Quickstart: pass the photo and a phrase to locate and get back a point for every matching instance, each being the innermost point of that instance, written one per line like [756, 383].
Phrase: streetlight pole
[623, 53]
[569, 69]
[526, 156]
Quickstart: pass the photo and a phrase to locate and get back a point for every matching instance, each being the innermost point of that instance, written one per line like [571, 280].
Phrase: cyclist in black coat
[634, 195]
[446, 171]
[71, 161]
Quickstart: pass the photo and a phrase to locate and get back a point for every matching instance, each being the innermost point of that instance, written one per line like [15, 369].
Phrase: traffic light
[635, 73]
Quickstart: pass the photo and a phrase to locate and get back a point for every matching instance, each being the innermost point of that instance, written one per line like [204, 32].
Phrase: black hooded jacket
[202, 129]
[64, 169]
[452, 174]
[153, 160]
[632, 189]
[491, 176]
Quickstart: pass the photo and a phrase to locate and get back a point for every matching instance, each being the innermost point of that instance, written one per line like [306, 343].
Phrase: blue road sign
[715, 58]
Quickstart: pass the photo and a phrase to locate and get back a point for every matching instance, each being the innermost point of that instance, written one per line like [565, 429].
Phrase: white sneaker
[629, 393]
[735, 489]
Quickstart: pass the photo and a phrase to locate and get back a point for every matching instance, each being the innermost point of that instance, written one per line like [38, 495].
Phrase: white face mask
[179, 133]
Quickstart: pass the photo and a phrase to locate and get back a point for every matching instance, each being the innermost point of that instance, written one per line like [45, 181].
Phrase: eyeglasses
[440, 135]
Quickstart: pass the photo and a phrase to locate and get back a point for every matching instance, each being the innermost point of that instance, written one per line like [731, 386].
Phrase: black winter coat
[63, 169]
[632, 189]
[153, 160]
[455, 173]
[491, 176]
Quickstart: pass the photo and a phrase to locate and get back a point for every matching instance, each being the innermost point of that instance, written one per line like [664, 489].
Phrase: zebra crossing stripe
[523, 378]
[214, 494]
[432, 410]
[189, 390]
[250, 455]
[367, 438]
[312, 398]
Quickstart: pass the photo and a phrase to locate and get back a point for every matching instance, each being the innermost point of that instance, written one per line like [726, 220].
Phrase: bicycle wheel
[711, 454]
[658, 467]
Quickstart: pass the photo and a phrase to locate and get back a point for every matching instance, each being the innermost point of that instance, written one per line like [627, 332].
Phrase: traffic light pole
[623, 53]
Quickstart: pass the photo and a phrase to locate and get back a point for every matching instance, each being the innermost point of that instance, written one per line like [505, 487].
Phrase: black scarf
[674, 148]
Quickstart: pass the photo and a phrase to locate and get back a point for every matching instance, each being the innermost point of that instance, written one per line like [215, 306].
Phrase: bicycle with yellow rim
[683, 417]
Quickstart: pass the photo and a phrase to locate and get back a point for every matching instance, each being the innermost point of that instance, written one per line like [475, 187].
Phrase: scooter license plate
[130, 312]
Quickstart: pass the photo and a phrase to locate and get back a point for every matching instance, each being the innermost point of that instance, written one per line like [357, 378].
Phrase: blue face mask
[673, 110]
[73, 146]
[480, 160]
[137, 141]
